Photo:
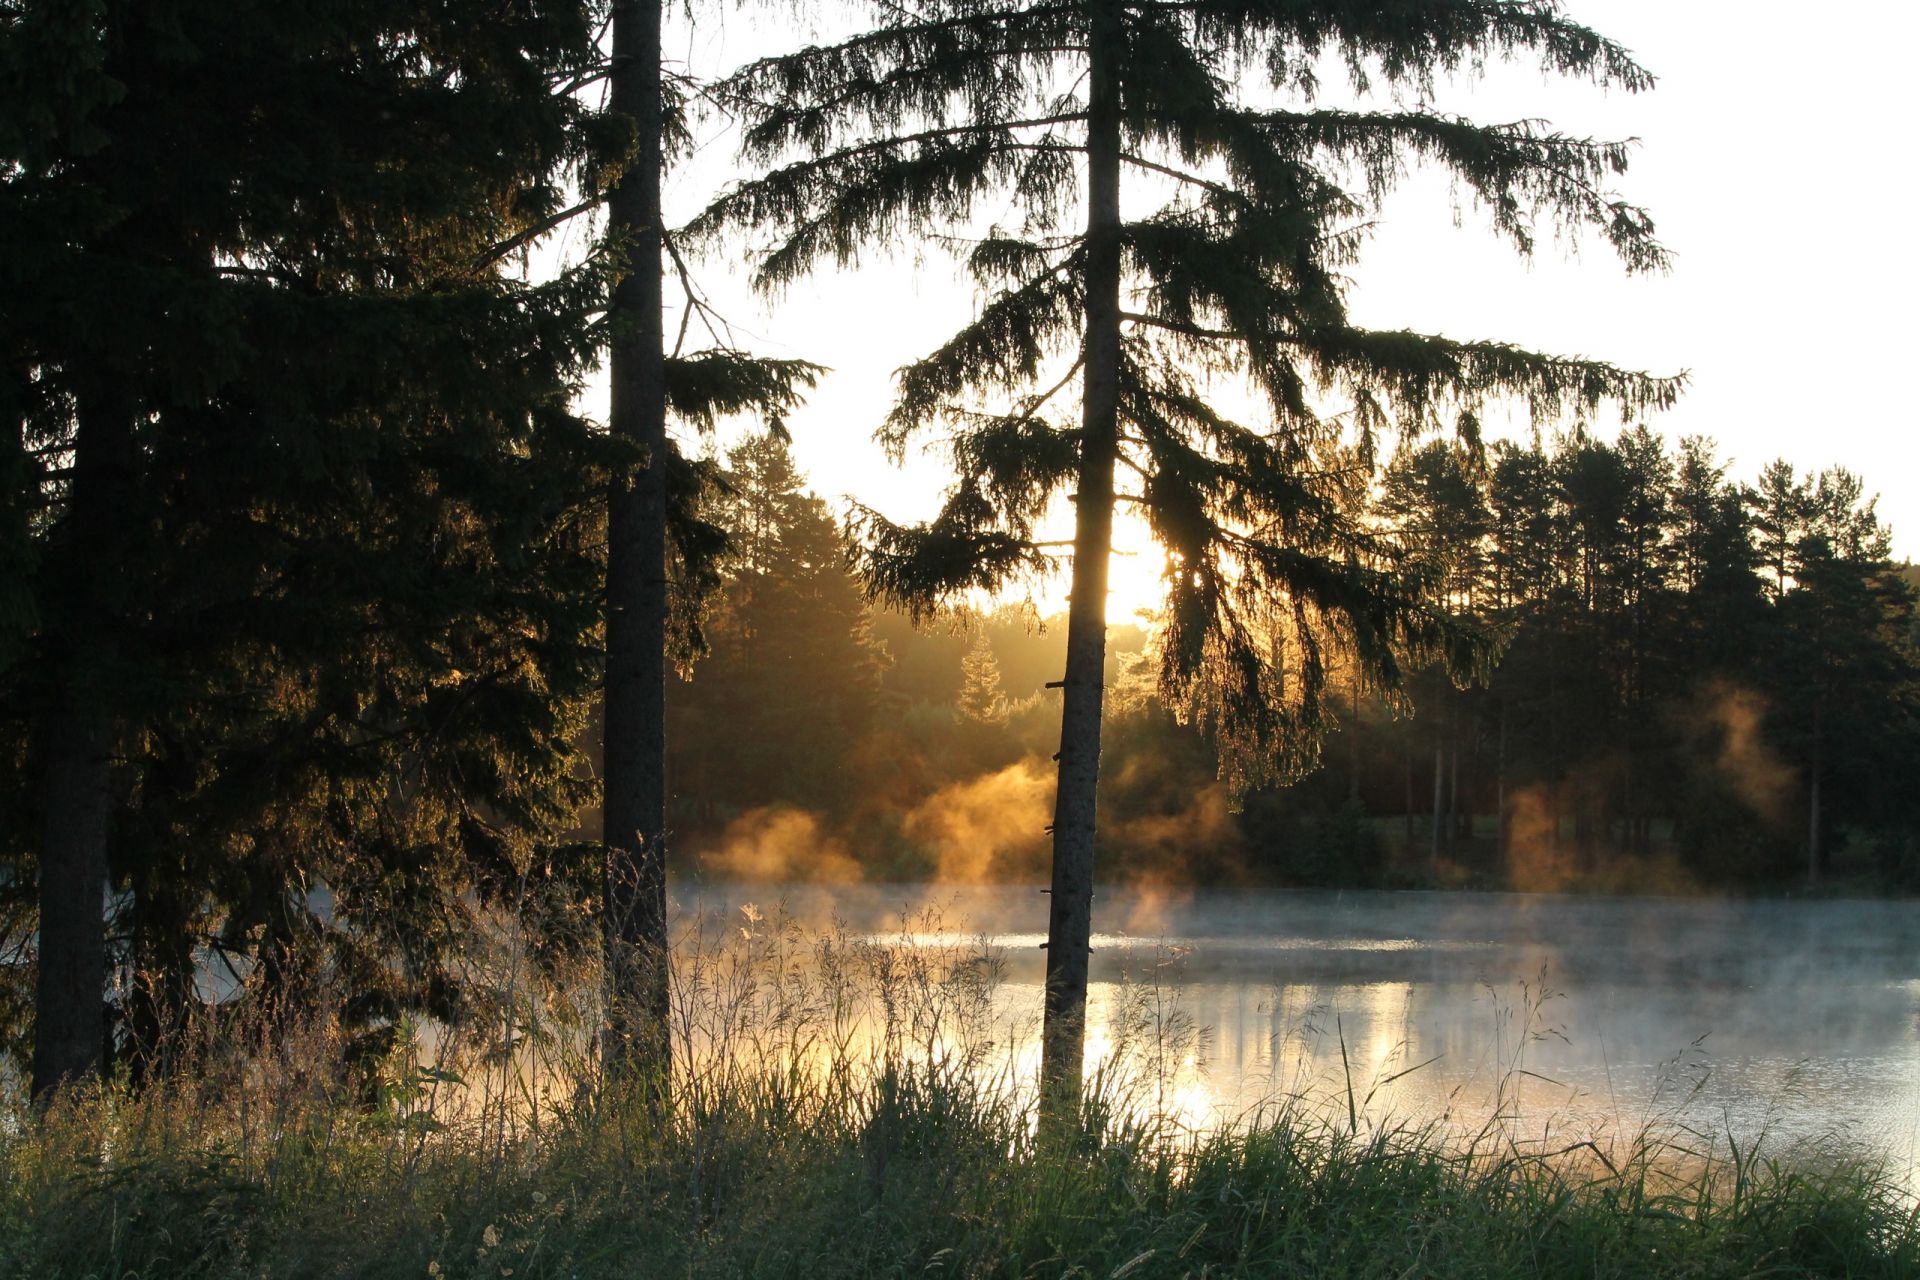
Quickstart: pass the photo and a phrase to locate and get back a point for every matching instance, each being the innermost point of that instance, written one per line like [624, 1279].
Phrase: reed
[843, 1106]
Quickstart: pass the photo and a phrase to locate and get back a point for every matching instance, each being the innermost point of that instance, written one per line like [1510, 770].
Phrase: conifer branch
[521, 239]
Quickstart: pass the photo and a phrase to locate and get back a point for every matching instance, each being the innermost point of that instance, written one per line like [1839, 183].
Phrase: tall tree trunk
[1553, 744]
[1453, 779]
[634, 837]
[1406, 774]
[1439, 807]
[1353, 743]
[68, 1034]
[1813, 830]
[1500, 790]
[1814, 861]
[77, 793]
[1070, 923]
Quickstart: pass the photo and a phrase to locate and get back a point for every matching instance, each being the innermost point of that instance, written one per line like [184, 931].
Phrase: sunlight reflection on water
[1591, 1017]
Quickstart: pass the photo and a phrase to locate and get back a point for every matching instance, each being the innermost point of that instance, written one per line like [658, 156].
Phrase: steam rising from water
[987, 830]
[781, 843]
[1591, 1016]
[1745, 763]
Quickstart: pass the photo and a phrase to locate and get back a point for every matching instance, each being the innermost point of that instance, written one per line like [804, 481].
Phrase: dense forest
[1700, 684]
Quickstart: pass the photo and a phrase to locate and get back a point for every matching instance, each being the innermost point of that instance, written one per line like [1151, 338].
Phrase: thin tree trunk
[634, 836]
[1070, 924]
[1453, 791]
[1439, 807]
[1406, 773]
[1813, 830]
[77, 796]
[1353, 743]
[1500, 790]
[1553, 745]
[1813, 803]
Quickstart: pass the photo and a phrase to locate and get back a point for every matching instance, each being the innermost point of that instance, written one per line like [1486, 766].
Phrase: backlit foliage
[1250, 404]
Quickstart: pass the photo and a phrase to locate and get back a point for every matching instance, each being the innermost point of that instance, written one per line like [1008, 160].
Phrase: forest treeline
[1702, 683]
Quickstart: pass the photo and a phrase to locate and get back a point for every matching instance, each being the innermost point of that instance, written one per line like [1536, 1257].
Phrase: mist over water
[1577, 1016]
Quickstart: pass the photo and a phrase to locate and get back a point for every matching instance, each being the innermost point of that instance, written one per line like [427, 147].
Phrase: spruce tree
[910, 127]
[775, 710]
[315, 596]
[983, 700]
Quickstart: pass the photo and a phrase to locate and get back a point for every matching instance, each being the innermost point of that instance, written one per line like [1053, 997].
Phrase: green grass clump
[922, 1173]
[841, 1117]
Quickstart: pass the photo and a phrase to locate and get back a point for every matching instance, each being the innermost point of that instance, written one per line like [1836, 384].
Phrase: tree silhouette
[775, 711]
[1842, 659]
[314, 594]
[904, 129]
[659, 553]
[982, 699]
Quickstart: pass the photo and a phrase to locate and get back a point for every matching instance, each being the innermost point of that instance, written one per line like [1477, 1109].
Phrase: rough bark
[1070, 925]
[634, 773]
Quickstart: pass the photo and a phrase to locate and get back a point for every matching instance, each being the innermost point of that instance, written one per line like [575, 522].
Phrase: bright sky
[1774, 158]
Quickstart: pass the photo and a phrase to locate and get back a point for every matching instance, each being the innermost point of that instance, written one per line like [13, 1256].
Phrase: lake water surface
[1583, 1016]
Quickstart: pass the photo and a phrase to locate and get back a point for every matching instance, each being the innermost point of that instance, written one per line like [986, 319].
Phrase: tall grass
[845, 1107]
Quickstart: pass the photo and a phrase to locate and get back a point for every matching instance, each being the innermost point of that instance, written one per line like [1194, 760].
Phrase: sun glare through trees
[953, 635]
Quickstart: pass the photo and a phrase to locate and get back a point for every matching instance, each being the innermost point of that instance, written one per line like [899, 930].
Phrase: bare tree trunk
[1353, 742]
[1406, 761]
[1553, 744]
[1453, 794]
[1813, 830]
[1814, 866]
[634, 835]
[1439, 807]
[77, 795]
[1070, 925]
[1500, 791]
[68, 1039]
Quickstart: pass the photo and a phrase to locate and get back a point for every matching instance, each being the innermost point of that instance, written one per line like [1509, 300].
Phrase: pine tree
[909, 127]
[1431, 498]
[1781, 507]
[1842, 657]
[1717, 568]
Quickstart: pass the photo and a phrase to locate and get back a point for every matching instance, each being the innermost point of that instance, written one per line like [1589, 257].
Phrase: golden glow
[1135, 586]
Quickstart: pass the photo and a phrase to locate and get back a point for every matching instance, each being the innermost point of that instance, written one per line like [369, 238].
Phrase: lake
[1579, 1016]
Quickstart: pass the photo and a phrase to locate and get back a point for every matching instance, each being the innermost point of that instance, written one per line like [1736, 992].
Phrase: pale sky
[1774, 158]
